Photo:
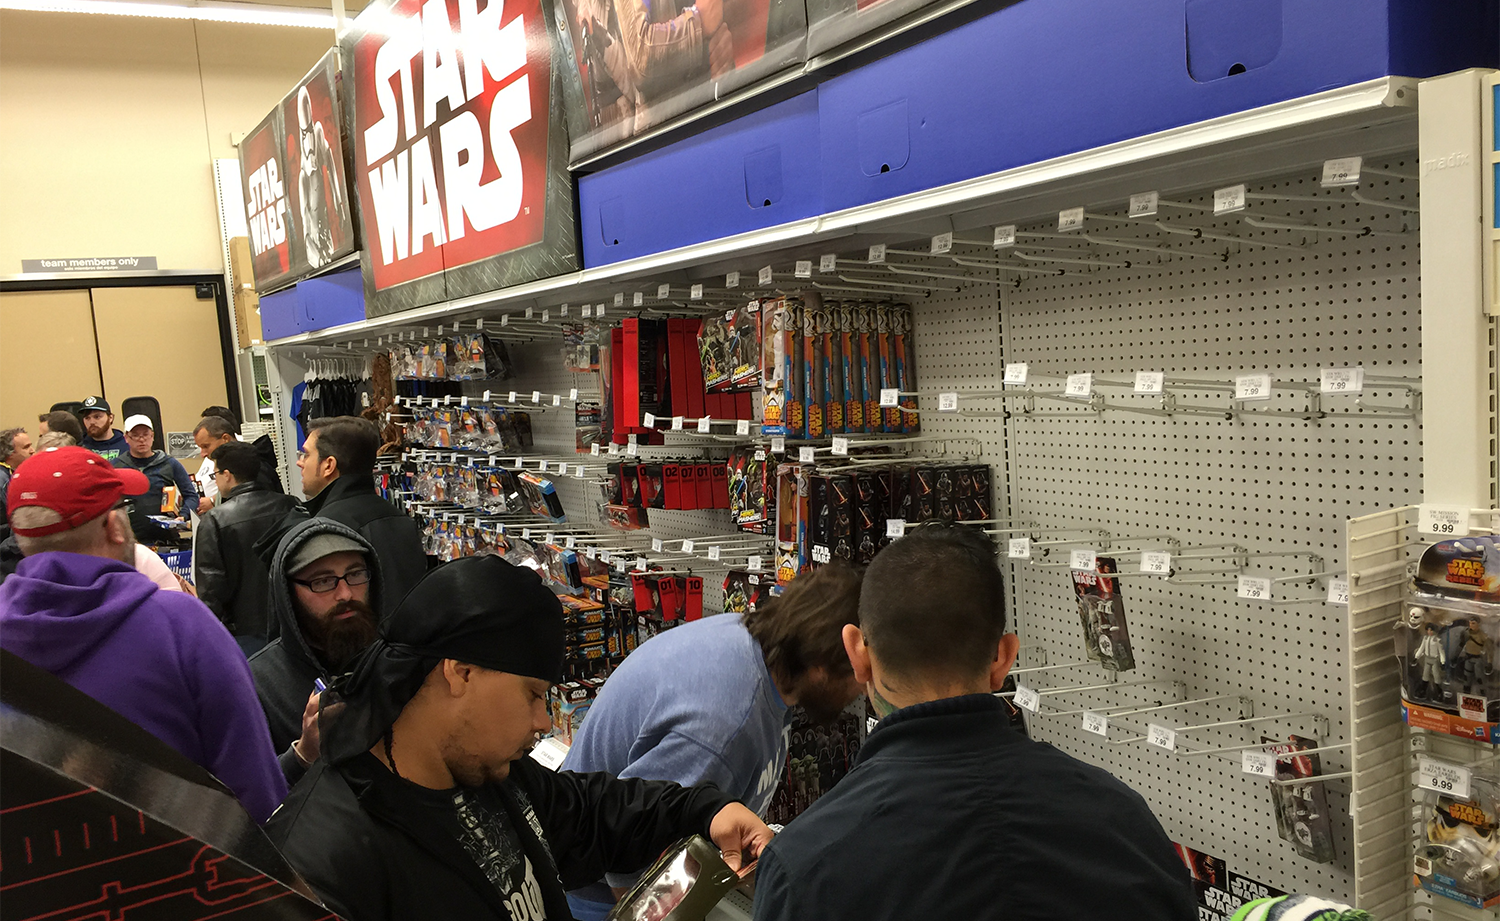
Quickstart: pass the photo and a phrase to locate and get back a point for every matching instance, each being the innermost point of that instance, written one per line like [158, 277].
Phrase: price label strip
[1442, 777]
[1027, 699]
[1096, 723]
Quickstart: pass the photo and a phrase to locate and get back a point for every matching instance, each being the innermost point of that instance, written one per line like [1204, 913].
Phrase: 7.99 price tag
[1097, 723]
[1027, 699]
[1162, 737]
[1253, 588]
[1018, 548]
[1156, 562]
[1259, 763]
[1442, 777]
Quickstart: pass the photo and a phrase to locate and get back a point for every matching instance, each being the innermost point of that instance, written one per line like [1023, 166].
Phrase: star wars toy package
[745, 591]
[1301, 809]
[729, 348]
[749, 485]
[1458, 850]
[1447, 638]
[1102, 610]
[776, 369]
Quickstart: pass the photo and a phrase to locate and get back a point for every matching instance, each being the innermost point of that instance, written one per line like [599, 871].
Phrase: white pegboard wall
[1270, 484]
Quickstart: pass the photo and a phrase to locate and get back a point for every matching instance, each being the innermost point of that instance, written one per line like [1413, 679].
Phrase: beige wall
[109, 126]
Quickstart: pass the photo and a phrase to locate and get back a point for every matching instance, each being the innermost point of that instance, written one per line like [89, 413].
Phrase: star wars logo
[1466, 572]
[450, 133]
[267, 208]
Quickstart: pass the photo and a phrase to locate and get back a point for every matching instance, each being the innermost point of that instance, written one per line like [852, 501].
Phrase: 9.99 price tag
[1027, 699]
[1442, 777]
[1443, 520]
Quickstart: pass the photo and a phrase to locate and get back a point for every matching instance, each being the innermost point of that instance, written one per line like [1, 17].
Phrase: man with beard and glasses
[709, 701]
[325, 585]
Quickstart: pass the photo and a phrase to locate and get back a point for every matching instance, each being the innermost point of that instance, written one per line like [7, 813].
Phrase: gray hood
[281, 592]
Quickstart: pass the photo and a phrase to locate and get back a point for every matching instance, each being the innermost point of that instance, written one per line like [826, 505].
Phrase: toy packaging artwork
[1458, 851]
[1447, 638]
[1301, 809]
[729, 348]
[1103, 612]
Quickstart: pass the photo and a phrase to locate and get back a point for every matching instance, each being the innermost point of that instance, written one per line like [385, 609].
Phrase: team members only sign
[459, 152]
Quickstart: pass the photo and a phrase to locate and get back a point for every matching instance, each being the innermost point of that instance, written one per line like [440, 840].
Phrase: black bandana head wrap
[480, 610]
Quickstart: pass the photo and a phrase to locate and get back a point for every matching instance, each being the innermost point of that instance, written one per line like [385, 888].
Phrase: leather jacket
[230, 577]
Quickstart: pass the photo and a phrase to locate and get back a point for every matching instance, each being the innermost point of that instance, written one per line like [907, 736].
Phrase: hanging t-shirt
[484, 830]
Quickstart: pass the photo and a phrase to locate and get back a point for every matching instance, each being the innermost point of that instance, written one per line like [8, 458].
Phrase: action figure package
[749, 485]
[852, 369]
[541, 496]
[588, 426]
[791, 521]
[1458, 854]
[1447, 638]
[729, 349]
[776, 370]
[810, 351]
[570, 704]
[1301, 809]
[745, 591]
[1102, 609]
[830, 343]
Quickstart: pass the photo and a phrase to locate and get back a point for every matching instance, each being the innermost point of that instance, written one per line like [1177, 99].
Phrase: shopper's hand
[710, 15]
[187, 586]
[204, 505]
[739, 832]
[306, 746]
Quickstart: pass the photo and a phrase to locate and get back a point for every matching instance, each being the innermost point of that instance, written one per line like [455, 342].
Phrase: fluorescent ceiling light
[257, 14]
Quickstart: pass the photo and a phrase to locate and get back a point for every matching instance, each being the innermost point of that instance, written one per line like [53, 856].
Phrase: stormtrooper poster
[459, 161]
[296, 193]
[313, 151]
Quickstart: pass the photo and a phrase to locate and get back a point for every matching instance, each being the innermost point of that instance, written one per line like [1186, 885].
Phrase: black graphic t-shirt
[484, 830]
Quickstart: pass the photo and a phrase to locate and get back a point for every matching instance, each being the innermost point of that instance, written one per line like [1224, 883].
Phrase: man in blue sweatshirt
[708, 702]
[101, 436]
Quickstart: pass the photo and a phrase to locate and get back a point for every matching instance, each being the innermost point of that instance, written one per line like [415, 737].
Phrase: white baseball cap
[139, 419]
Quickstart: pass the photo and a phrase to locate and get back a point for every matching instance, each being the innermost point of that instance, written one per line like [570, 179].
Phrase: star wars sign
[451, 130]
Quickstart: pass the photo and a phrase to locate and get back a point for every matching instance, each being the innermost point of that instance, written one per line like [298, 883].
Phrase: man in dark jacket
[162, 470]
[230, 577]
[338, 464]
[322, 627]
[949, 813]
[425, 804]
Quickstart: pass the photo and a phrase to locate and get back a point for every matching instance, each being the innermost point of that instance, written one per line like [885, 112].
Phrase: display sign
[296, 192]
[91, 264]
[459, 150]
[634, 65]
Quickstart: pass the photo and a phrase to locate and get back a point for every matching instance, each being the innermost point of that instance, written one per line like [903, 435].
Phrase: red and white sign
[451, 116]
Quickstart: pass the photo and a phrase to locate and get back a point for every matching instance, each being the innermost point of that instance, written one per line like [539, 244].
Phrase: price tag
[1027, 699]
[587, 310]
[732, 280]
[1144, 204]
[895, 528]
[828, 262]
[806, 454]
[947, 402]
[877, 254]
[1149, 381]
[640, 564]
[512, 397]
[638, 299]
[840, 446]
[1259, 763]
[604, 556]
[742, 427]
[594, 449]
[890, 396]
[1338, 591]
[1162, 737]
[713, 554]
[620, 564]
[530, 312]
[500, 527]
[765, 276]
[579, 474]
[572, 542]
[1341, 380]
[753, 564]
[656, 545]
[557, 399]
[526, 534]
[1015, 372]
[1254, 588]
[677, 422]
[695, 292]
[549, 538]
[563, 310]
[541, 466]
[1080, 385]
[599, 311]
[1085, 560]
[703, 425]
[633, 449]
[1449, 779]
[1443, 520]
[1005, 236]
[778, 444]
[1229, 199]
[536, 396]
[546, 315]
[942, 244]
[485, 398]
[1071, 219]
[614, 448]
[591, 553]
[1096, 723]
[1252, 387]
[687, 546]
[648, 420]
[573, 394]
[803, 269]
[620, 299]
[1156, 562]
[1018, 548]
[1343, 171]
[549, 753]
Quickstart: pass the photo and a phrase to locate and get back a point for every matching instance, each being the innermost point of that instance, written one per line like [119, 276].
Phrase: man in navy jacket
[949, 813]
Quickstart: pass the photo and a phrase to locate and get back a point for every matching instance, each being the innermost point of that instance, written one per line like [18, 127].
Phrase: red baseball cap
[74, 482]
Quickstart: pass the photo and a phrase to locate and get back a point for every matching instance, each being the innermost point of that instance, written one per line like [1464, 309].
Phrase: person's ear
[858, 652]
[1005, 657]
[117, 526]
[457, 674]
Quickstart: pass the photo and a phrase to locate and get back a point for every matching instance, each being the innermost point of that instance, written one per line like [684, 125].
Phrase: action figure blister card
[1458, 855]
[1301, 809]
[1447, 638]
[1102, 610]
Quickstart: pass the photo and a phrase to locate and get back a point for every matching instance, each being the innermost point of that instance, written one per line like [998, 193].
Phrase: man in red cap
[77, 607]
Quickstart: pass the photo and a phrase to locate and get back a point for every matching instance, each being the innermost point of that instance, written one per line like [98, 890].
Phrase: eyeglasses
[322, 585]
[124, 505]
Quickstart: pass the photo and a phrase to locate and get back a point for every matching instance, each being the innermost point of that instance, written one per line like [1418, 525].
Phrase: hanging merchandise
[587, 426]
[729, 349]
[465, 357]
[581, 342]
[791, 521]
[334, 387]
[750, 488]
[777, 332]
[1446, 643]
[1102, 610]
[817, 758]
[1301, 808]
[1458, 853]
[745, 591]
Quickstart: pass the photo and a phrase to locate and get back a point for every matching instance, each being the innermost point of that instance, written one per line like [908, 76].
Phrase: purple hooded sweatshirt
[160, 659]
